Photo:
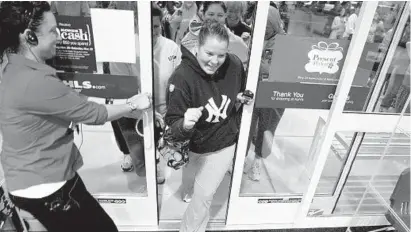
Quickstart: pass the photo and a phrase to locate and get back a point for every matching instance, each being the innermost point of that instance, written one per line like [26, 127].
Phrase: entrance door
[360, 144]
[303, 70]
[128, 196]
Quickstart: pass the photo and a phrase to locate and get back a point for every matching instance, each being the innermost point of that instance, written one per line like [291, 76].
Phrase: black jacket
[191, 87]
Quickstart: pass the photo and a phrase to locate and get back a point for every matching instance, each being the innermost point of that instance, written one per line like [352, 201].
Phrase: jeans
[135, 143]
[71, 208]
[265, 119]
[121, 141]
[210, 169]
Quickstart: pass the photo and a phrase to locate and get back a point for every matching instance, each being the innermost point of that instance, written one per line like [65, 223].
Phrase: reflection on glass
[396, 160]
[379, 37]
[396, 87]
[290, 99]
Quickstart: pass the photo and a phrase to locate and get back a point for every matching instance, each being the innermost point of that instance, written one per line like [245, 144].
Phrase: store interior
[287, 154]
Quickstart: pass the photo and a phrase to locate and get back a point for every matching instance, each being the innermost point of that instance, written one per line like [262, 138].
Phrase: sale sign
[75, 51]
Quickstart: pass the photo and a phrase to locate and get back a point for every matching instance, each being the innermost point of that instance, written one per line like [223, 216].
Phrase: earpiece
[31, 38]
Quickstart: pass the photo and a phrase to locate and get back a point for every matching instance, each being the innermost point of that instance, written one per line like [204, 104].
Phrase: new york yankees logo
[217, 112]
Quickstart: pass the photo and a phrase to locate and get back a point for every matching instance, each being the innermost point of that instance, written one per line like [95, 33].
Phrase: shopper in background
[204, 106]
[398, 80]
[249, 14]
[404, 89]
[234, 20]
[70, 8]
[37, 111]
[166, 57]
[266, 119]
[180, 20]
[352, 21]
[338, 24]
[126, 69]
[169, 8]
[215, 10]
[190, 36]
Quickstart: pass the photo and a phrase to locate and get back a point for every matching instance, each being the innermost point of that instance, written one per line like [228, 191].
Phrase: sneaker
[127, 164]
[245, 167]
[255, 173]
[187, 197]
[160, 175]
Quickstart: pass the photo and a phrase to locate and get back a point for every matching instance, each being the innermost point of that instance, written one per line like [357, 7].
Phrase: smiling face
[212, 54]
[234, 12]
[47, 36]
[215, 12]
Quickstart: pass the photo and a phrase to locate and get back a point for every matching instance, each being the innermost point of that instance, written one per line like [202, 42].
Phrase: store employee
[39, 157]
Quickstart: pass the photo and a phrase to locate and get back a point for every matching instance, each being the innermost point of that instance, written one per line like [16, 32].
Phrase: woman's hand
[245, 36]
[243, 99]
[141, 101]
[191, 117]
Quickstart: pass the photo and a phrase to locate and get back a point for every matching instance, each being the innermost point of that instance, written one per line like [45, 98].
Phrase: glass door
[103, 62]
[302, 48]
[178, 28]
[119, 165]
[354, 151]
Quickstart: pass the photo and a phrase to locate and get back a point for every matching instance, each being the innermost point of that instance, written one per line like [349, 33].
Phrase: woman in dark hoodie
[204, 100]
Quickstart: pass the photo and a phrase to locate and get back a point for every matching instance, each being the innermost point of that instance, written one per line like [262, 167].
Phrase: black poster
[75, 52]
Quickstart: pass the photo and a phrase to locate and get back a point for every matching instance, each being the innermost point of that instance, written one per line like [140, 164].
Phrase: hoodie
[236, 45]
[191, 87]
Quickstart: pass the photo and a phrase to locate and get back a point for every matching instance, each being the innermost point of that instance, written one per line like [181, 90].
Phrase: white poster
[114, 35]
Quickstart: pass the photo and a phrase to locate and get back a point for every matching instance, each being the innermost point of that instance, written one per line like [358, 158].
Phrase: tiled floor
[102, 172]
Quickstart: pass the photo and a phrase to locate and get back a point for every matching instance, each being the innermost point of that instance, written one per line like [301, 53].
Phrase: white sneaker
[187, 198]
[187, 195]
[127, 164]
[245, 167]
[255, 173]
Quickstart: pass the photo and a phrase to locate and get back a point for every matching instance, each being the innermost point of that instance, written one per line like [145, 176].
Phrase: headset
[31, 37]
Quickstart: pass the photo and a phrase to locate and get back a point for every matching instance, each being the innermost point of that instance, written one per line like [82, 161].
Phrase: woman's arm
[115, 112]
[61, 101]
[178, 101]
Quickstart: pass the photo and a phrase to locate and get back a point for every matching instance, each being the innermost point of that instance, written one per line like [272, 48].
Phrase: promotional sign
[304, 73]
[306, 59]
[75, 52]
[102, 86]
[306, 96]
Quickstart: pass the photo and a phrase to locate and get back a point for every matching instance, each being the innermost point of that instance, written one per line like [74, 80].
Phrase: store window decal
[324, 58]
